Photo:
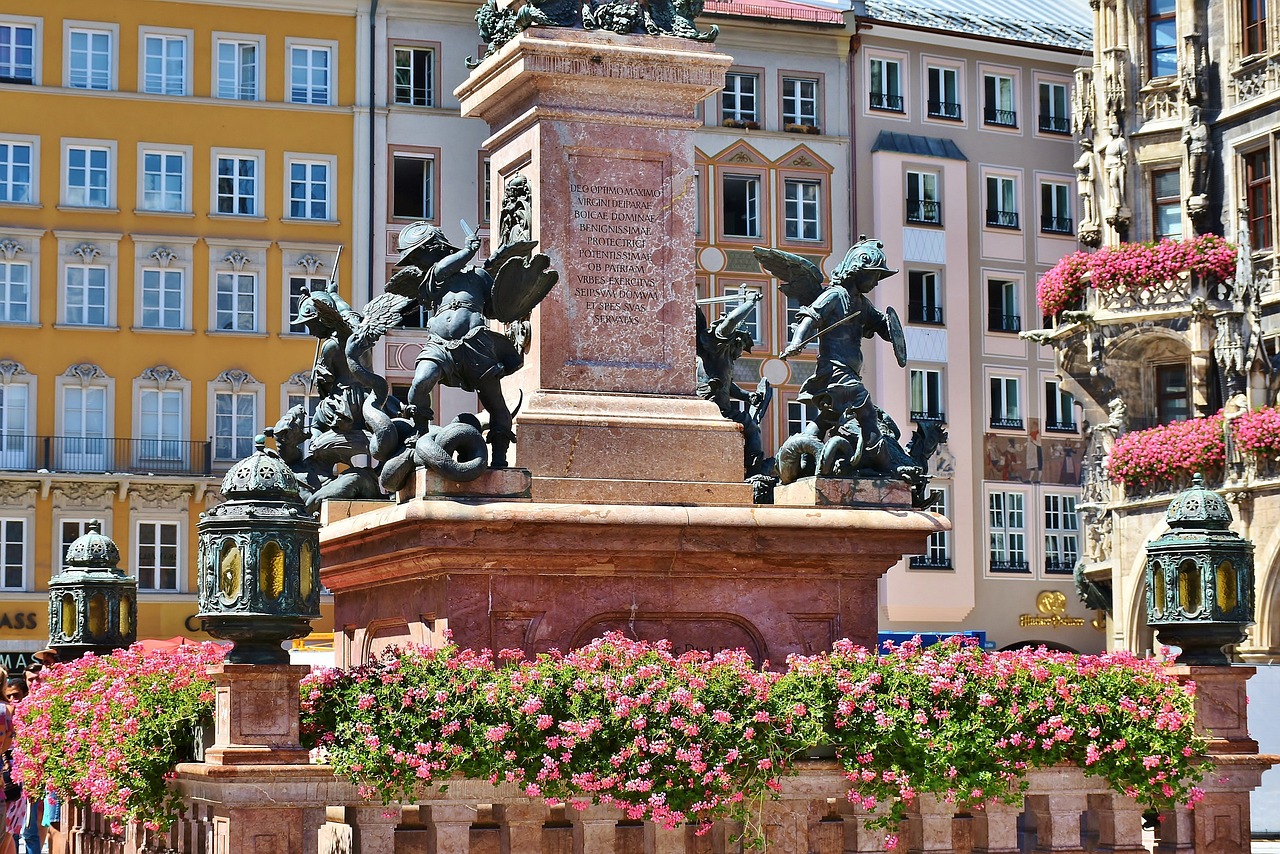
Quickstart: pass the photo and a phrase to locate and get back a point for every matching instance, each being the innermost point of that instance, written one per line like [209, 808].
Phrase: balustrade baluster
[857, 838]
[660, 840]
[374, 829]
[1119, 823]
[1058, 813]
[594, 829]
[1175, 833]
[786, 824]
[520, 827]
[995, 828]
[726, 837]
[929, 825]
[449, 828]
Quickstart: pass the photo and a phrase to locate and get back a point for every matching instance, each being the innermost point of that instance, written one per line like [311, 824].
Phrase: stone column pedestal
[256, 710]
[602, 126]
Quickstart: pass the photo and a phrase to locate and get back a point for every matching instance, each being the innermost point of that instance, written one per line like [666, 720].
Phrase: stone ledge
[862, 492]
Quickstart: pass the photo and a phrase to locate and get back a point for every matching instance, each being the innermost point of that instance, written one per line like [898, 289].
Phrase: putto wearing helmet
[866, 261]
[421, 236]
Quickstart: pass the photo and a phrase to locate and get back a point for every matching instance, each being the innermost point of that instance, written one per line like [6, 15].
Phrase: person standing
[15, 691]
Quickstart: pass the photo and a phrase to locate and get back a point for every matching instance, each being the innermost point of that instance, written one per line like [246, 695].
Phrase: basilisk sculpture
[849, 436]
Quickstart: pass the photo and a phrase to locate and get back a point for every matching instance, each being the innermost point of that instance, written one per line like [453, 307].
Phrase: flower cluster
[1133, 267]
[109, 730]
[1258, 432]
[1169, 453]
[697, 737]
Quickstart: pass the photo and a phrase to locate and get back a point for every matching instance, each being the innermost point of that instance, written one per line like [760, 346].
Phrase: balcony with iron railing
[918, 312]
[1019, 566]
[925, 211]
[920, 415]
[1059, 565]
[1056, 224]
[998, 321]
[998, 423]
[1000, 118]
[1054, 124]
[1061, 427]
[930, 562]
[944, 110]
[997, 218]
[887, 102]
[80, 455]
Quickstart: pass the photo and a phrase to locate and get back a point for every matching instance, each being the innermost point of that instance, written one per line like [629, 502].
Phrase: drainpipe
[851, 19]
[373, 90]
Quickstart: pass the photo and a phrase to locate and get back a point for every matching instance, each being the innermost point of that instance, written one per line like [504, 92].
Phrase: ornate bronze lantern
[259, 561]
[93, 605]
[1200, 578]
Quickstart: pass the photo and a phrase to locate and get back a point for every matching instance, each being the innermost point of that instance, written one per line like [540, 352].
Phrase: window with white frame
[15, 172]
[309, 74]
[1003, 313]
[1166, 203]
[17, 53]
[1055, 208]
[999, 106]
[944, 93]
[15, 451]
[740, 196]
[886, 85]
[924, 297]
[84, 428]
[1002, 201]
[800, 101]
[299, 287]
[237, 185]
[793, 320]
[157, 556]
[235, 423]
[237, 69]
[89, 59]
[86, 288]
[1053, 108]
[1061, 534]
[164, 64]
[15, 291]
[13, 553]
[739, 99]
[236, 301]
[414, 76]
[802, 209]
[1007, 524]
[413, 187]
[938, 547]
[798, 415]
[1006, 404]
[164, 292]
[88, 176]
[309, 189]
[926, 395]
[1059, 409]
[164, 181]
[922, 198]
[160, 424]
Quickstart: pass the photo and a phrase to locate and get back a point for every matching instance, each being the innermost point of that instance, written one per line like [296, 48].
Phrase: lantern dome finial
[261, 476]
[1199, 507]
[92, 551]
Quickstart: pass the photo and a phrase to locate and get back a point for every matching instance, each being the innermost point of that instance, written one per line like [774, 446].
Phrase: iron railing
[1006, 423]
[930, 562]
[922, 313]
[77, 454]
[918, 415]
[1004, 118]
[882, 101]
[1060, 427]
[1002, 219]
[1055, 224]
[998, 321]
[1054, 124]
[1009, 566]
[944, 110]
[1059, 565]
[923, 210]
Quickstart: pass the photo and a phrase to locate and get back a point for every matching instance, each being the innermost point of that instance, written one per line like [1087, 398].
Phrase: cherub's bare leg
[500, 435]
[425, 378]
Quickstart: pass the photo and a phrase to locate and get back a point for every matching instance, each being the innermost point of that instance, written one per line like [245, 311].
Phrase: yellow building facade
[172, 175]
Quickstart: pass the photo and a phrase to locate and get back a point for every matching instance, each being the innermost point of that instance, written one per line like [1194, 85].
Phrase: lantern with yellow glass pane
[93, 605]
[259, 561]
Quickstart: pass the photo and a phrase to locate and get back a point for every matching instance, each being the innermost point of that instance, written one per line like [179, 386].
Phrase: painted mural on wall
[1034, 457]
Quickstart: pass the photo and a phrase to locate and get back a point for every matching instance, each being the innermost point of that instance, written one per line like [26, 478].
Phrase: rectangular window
[1061, 534]
[1006, 517]
[1166, 203]
[237, 302]
[84, 429]
[17, 53]
[944, 93]
[299, 287]
[88, 176]
[157, 563]
[160, 427]
[163, 294]
[886, 85]
[15, 448]
[415, 76]
[237, 191]
[1053, 108]
[798, 415]
[309, 75]
[802, 210]
[15, 291]
[413, 187]
[738, 101]
[308, 189]
[235, 422]
[85, 295]
[1173, 393]
[1162, 38]
[164, 65]
[1002, 202]
[1055, 208]
[924, 297]
[1253, 18]
[799, 101]
[164, 181]
[13, 553]
[741, 198]
[1257, 176]
[922, 198]
[89, 59]
[999, 106]
[238, 70]
[15, 172]
[1002, 306]
[926, 395]
[1006, 404]
[1059, 409]
[938, 548]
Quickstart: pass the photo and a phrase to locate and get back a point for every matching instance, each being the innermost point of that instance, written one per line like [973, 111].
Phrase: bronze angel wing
[521, 283]
[799, 278]
[382, 314]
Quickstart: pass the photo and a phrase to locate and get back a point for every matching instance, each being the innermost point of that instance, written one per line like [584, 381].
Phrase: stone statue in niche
[718, 347]
[849, 435]
[1195, 137]
[1082, 108]
[1115, 163]
[515, 221]
[1087, 187]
